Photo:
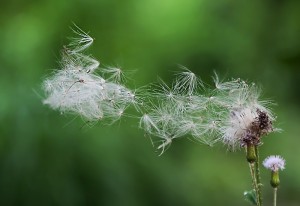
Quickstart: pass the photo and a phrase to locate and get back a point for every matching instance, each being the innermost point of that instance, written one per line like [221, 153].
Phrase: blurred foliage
[50, 159]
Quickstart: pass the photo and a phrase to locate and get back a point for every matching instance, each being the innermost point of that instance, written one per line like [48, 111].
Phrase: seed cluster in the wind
[230, 112]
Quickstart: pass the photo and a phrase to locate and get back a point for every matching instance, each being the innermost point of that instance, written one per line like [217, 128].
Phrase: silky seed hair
[77, 89]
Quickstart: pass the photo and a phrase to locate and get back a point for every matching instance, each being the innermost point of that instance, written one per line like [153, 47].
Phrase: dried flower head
[274, 163]
[76, 89]
[246, 118]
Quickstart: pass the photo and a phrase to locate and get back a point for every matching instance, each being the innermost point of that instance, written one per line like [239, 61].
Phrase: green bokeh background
[50, 159]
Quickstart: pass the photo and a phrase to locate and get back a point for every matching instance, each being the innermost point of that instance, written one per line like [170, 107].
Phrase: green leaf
[250, 196]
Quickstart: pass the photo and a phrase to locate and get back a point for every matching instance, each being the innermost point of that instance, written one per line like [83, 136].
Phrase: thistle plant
[76, 88]
[230, 112]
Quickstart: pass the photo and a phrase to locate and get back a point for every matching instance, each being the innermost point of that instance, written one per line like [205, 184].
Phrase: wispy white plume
[75, 88]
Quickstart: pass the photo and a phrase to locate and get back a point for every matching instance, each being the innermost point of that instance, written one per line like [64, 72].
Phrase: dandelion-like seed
[274, 163]
[81, 42]
[116, 74]
[187, 81]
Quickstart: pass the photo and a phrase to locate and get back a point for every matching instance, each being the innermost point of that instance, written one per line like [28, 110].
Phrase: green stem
[254, 181]
[275, 196]
[258, 181]
[253, 159]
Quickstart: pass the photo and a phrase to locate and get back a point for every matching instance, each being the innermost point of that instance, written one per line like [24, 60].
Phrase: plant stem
[254, 181]
[275, 196]
[258, 181]
[255, 173]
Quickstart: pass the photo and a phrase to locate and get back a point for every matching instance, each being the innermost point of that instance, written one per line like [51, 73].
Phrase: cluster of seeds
[77, 89]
